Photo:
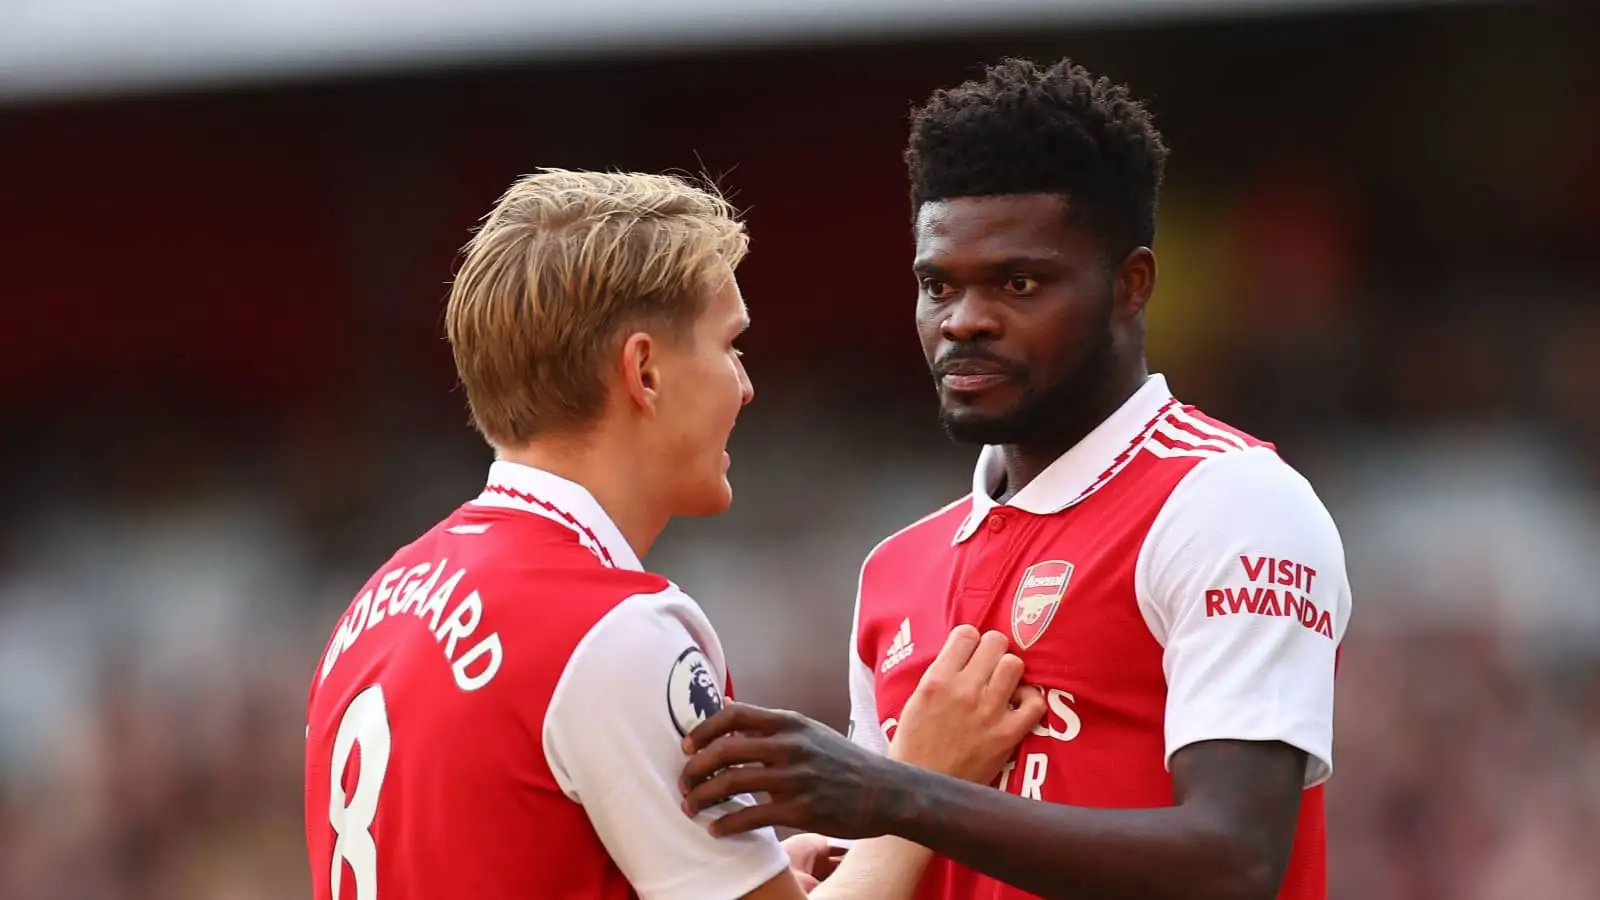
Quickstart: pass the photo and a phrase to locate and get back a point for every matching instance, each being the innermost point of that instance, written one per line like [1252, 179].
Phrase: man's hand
[812, 859]
[965, 719]
[969, 711]
[817, 780]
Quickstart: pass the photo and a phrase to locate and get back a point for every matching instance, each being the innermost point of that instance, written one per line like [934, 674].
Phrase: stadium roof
[56, 48]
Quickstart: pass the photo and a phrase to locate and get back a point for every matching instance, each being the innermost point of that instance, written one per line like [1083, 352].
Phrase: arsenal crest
[1038, 597]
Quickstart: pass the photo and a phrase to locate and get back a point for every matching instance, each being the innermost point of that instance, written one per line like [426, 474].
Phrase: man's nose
[969, 318]
[747, 388]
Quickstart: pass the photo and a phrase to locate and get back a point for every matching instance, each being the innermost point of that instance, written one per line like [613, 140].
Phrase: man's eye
[935, 288]
[1021, 284]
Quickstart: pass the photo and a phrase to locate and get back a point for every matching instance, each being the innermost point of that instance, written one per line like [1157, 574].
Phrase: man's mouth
[967, 375]
[969, 383]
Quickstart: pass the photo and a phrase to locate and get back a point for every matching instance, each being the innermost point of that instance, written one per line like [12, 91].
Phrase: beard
[1060, 412]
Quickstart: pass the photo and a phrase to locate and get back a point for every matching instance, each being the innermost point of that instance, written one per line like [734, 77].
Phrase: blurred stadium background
[224, 244]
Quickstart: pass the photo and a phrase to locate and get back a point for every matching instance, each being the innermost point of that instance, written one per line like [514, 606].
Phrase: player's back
[427, 767]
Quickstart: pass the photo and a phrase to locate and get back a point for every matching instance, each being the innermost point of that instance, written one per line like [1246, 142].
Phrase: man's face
[707, 387]
[1014, 310]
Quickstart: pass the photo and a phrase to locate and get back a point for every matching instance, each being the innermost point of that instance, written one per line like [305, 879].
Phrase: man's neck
[600, 464]
[1024, 462]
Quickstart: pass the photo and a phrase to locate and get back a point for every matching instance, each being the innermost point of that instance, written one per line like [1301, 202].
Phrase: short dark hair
[1026, 130]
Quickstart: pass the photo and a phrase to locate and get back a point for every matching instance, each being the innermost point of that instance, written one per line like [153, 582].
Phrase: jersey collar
[567, 503]
[1079, 472]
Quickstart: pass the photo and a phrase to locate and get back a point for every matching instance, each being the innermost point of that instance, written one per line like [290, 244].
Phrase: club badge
[1038, 598]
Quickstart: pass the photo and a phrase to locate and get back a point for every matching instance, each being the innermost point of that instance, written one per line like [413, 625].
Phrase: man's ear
[1136, 281]
[641, 370]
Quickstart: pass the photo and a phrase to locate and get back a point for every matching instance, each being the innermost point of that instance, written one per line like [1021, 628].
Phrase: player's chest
[1060, 587]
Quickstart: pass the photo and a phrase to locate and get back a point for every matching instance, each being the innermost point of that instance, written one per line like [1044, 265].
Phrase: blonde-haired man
[501, 711]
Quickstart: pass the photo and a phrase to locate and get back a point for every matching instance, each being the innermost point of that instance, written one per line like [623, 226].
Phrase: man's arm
[633, 686]
[883, 868]
[864, 725]
[1228, 837]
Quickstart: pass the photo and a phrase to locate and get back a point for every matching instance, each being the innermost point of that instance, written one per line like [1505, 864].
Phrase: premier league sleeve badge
[692, 692]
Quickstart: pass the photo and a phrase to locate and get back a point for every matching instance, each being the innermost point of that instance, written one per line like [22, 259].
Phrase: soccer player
[1174, 587]
[501, 710]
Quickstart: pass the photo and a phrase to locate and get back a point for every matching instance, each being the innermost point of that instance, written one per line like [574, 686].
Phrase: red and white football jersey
[499, 716]
[1168, 580]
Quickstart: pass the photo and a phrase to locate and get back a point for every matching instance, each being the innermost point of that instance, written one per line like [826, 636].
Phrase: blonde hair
[559, 268]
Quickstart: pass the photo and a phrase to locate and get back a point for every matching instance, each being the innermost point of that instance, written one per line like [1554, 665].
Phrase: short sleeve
[864, 728]
[1242, 580]
[647, 673]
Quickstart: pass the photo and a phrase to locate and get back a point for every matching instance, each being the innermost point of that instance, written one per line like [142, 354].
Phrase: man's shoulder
[571, 597]
[1186, 448]
[1182, 437]
[932, 533]
[1205, 427]
[1225, 459]
[510, 575]
[1246, 489]
[526, 557]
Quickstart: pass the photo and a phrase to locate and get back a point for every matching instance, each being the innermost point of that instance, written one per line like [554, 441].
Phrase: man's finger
[761, 815]
[733, 782]
[958, 648]
[733, 717]
[991, 649]
[826, 866]
[730, 750]
[1007, 675]
[806, 851]
[1029, 703]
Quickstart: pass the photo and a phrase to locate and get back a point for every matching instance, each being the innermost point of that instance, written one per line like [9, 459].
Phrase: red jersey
[1168, 580]
[499, 714]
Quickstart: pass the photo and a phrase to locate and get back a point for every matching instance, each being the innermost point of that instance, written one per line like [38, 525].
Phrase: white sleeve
[1242, 580]
[865, 730]
[648, 672]
[864, 727]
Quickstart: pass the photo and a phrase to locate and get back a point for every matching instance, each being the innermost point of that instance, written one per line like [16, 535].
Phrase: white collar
[567, 503]
[1079, 472]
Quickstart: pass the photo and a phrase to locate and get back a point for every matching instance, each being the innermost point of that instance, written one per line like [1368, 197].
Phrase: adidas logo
[899, 648]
